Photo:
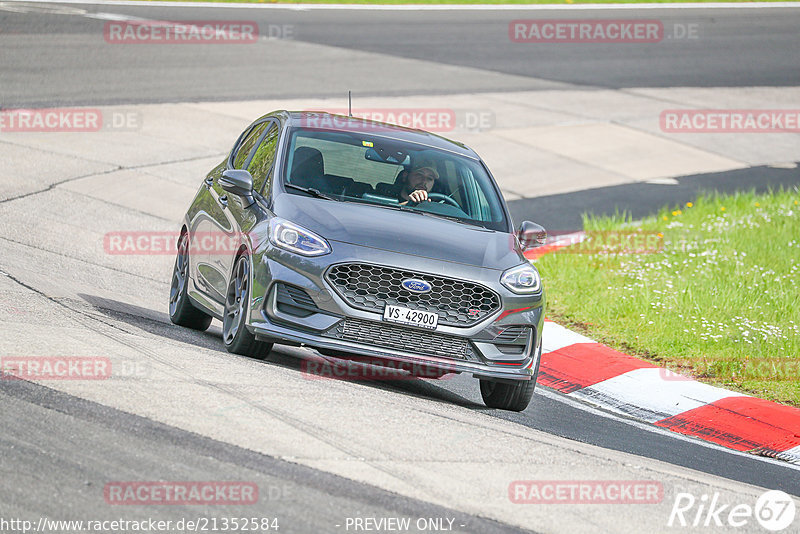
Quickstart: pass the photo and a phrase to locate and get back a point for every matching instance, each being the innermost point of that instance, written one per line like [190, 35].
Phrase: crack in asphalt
[60, 303]
[61, 254]
[102, 173]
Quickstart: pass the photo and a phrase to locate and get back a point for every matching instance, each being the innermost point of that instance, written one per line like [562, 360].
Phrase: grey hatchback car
[363, 239]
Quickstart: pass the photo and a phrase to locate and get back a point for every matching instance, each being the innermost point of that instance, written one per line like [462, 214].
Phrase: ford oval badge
[416, 286]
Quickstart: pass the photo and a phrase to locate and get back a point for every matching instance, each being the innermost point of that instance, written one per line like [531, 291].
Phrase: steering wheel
[443, 198]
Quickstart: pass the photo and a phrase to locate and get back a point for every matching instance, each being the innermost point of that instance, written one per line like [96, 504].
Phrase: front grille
[372, 287]
[389, 336]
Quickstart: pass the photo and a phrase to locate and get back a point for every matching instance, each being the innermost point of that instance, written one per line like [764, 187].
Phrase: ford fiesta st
[363, 239]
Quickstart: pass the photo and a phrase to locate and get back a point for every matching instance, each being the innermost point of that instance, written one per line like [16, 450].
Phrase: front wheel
[235, 335]
[507, 396]
[512, 396]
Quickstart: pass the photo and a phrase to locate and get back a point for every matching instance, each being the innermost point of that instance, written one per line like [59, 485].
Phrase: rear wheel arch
[181, 310]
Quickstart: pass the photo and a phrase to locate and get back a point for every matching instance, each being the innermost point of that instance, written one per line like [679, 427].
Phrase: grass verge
[718, 298]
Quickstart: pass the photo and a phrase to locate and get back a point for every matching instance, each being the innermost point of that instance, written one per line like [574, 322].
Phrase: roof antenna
[349, 104]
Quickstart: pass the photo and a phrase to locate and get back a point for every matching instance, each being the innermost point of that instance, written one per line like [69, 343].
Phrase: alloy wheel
[236, 301]
[178, 287]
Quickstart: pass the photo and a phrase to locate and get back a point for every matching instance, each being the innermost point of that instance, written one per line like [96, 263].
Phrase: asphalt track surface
[92, 434]
[62, 58]
[57, 59]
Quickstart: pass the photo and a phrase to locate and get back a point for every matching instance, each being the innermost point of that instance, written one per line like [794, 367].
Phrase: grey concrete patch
[622, 151]
[137, 190]
[27, 170]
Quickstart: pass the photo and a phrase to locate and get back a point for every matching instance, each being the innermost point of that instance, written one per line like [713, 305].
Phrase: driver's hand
[419, 195]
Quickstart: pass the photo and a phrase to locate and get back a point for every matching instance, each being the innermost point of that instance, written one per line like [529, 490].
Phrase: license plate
[420, 318]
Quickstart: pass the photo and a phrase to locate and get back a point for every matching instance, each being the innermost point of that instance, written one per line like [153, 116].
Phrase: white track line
[792, 455]
[651, 394]
[425, 7]
[555, 337]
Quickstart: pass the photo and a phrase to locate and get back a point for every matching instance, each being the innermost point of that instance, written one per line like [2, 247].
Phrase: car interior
[308, 170]
[368, 169]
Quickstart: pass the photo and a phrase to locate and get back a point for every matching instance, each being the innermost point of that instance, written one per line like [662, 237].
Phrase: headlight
[289, 236]
[522, 279]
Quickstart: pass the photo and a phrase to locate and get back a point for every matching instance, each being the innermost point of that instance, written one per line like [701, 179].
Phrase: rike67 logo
[774, 510]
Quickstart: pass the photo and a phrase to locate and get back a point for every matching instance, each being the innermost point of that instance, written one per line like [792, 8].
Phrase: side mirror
[238, 182]
[531, 235]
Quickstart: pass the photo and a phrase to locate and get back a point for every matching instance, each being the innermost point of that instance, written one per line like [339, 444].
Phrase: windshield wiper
[316, 193]
[437, 215]
[449, 218]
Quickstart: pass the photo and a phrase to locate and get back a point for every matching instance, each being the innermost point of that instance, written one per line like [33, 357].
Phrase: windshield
[365, 168]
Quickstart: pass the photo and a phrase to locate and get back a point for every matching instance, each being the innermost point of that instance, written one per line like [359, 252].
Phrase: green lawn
[719, 301]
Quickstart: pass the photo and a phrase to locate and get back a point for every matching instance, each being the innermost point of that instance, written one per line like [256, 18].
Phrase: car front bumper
[337, 327]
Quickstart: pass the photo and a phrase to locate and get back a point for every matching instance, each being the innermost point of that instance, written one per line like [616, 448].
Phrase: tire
[235, 335]
[515, 396]
[181, 310]
[503, 396]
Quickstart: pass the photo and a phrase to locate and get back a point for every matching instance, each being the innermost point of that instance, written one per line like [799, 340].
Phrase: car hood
[403, 232]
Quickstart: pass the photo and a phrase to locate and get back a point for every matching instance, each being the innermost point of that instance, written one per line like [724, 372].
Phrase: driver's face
[421, 179]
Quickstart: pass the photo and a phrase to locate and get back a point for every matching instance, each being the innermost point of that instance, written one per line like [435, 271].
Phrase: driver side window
[244, 149]
[262, 161]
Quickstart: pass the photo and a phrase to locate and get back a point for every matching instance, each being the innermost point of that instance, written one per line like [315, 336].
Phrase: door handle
[224, 201]
[209, 182]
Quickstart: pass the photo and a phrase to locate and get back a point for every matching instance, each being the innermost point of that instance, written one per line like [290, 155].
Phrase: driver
[417, 184]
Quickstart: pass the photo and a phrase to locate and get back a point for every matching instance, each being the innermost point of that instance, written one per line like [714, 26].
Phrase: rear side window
[246, 146]
[264, 157]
